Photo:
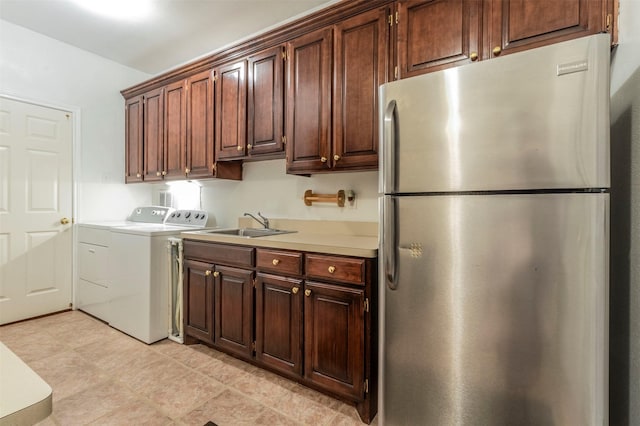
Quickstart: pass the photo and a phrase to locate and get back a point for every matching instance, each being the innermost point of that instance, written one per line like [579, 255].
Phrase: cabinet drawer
[345, 269]
[285, 262]
[226, 254]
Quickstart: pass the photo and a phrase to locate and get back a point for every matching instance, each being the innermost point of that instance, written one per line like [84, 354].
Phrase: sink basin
[249, 232]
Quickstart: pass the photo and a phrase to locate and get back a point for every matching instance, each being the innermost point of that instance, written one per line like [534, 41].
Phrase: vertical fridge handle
[389, 243]
[388, 148]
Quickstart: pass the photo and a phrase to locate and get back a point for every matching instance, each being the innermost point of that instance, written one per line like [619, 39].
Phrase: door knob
[64, 221]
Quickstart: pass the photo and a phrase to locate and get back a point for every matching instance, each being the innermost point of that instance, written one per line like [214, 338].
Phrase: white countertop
[25, 398]
[332, 237]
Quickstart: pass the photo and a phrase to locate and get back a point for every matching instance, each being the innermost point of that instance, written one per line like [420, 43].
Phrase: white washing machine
[135, 285]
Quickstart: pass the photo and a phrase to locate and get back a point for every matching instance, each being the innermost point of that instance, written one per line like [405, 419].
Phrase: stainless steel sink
[249, 232]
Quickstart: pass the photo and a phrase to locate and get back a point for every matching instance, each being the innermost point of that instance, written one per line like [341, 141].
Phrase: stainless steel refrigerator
[495, 240]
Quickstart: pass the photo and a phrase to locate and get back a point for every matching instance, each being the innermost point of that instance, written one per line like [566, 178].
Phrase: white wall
[625, 220]
[40, 69]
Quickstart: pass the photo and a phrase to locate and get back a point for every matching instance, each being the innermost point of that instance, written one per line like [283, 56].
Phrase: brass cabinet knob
[158, 174]
[336, 157]
[207, 272]
[64, 221]
[216, 274]
[331, 269]
[497, 50]
[323, 159]
[164, 173]
[187, 170]
[138, 175]
[275, 261]
[239, 147]
[249, 146]
[307, 292]
[295, 290]
[473, 56]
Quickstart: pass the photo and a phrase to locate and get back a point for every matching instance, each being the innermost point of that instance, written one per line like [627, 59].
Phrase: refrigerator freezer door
[498, 315]
[531, 120]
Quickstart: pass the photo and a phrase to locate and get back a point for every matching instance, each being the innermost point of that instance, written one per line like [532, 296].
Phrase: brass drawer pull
[216, 274]
[294, 290]
[275, 262]
[207, 273]
[331, 269]
[307, 292]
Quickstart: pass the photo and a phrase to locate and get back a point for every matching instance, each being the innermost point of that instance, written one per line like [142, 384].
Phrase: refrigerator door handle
[389, 149]
[390, 243]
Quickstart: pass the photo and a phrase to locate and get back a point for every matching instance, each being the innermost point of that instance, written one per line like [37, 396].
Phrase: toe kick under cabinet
[311, 317]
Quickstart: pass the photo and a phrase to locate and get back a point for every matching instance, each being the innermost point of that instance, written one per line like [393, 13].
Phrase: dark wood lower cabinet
[279, 323]
[234, 310]
[198, 300]
[321, 333]
[334, 338]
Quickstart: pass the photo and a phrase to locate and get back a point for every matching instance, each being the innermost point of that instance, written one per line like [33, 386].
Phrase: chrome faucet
[264, 222]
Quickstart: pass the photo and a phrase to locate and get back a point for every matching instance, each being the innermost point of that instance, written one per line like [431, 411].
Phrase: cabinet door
[334, 338]
[153, 134]
[436, 34]
[200, 148]
[198, 300]
[175, 131]
[360, 54]
[133, 139]
[265, 105]
[231, 110]
[234, 310]
[279, 323]
[515, 25]
[308, 107]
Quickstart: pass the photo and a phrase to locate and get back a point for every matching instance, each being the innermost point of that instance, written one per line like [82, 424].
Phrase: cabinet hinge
[395, 72]
[253, 346]
[366, 304]
[396, 17]
[608, 24]
[391, 20]
[215, 78]
[366, 386]
[284, 140]
[284, 53]
[255, 282]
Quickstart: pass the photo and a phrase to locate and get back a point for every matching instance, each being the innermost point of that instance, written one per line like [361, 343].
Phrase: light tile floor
[101, 376]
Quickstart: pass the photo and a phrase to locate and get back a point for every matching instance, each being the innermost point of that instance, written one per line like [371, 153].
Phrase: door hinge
[366, 386]
[366, 304]
[395, 72]
[608, 24]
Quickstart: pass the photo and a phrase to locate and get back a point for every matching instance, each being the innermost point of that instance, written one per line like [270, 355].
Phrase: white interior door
[35, 210]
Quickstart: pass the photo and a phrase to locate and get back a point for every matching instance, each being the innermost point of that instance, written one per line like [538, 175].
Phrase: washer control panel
[188, 218]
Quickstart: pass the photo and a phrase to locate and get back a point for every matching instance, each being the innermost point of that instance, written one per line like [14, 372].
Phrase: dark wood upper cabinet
[231, 110]
[360, 66]
[334, 338]
[133, 139]
[175, 131]
[308, 106]
[516, 25]
[436, 34]
[153, 135]
[265, 103]
[200, 137]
